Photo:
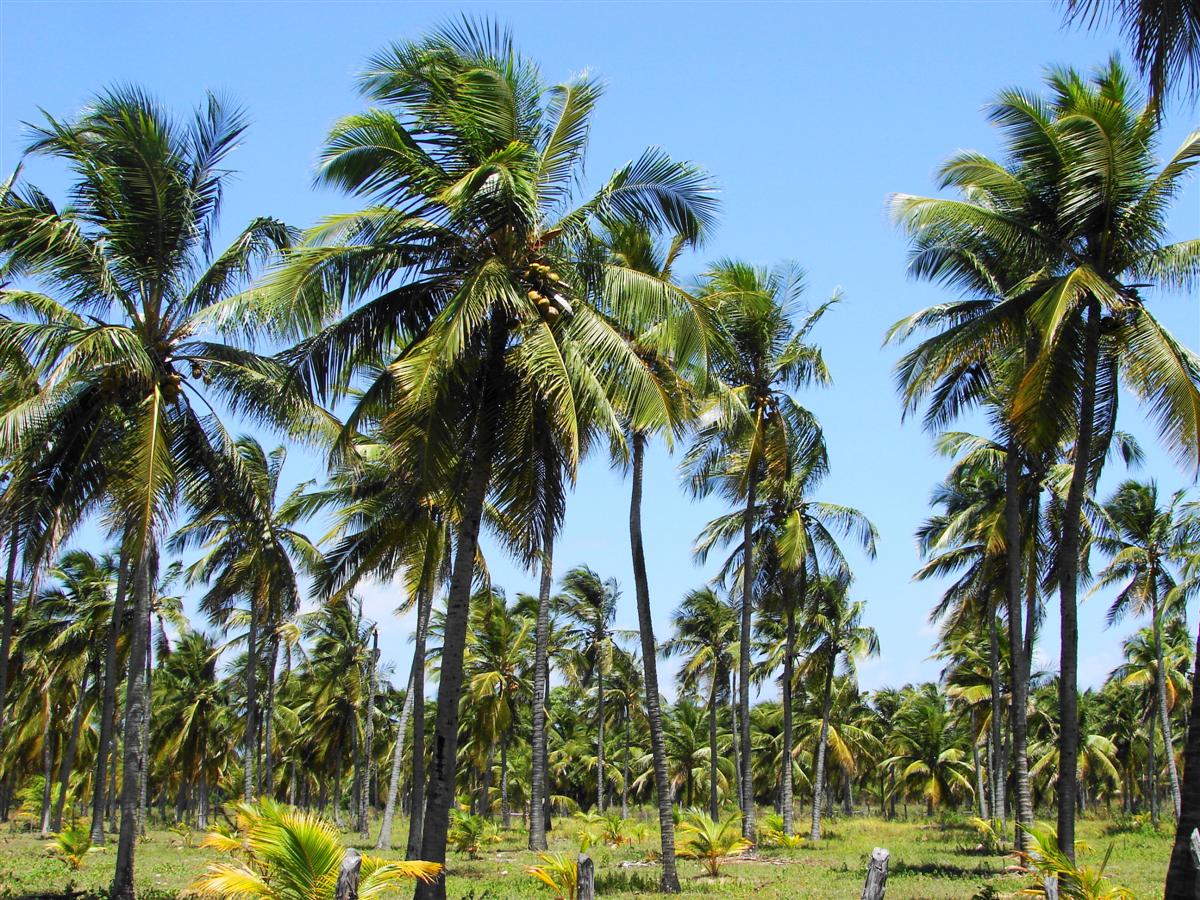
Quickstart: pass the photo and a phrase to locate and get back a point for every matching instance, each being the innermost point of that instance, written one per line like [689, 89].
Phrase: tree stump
[586, 877]
[1050, 886]
[1194, 846]
[877, 872]
[347, 882]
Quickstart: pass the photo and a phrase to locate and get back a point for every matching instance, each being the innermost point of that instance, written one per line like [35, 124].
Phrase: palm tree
[834, 634]
[588, 606]
[1077, 235]
[1142, 539]
[483, 318]
[253, 558]
[1164, 36]
[126, 343]
[704, 628]
[926, 750]
[754, 425]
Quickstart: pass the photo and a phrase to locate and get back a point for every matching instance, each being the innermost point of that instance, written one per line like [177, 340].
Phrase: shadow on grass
[944, 870]
[624, 881]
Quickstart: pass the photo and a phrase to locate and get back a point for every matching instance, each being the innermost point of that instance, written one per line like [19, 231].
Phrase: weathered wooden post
[347, 882]
[1194, 845]
[1050, 887]
[877, 871]
[586, 877]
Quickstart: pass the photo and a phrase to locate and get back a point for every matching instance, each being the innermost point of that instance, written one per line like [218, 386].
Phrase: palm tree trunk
[669, 881]
[269, 717]
[735, 734]
[384, 841]
[625, 769]
[416, 815]
[1183, 880]
[1018, 715]
[108, 705]
[1160, 683]
[48, 734]
[505, 809]
[249, 784]
[1068, 587]
[440, 793]
[202, 801]
[1152, 771]
[68, 758]
[143, 807]
[714, 808]
[819, 767]
[538, 787]
[364, 788]
[789, 654]
[135, 723]
[747, 773]
[6, 629]
[599, 732]
[997, 770]
[981, 798]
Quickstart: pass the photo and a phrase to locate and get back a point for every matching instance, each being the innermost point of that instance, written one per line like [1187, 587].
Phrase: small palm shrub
[468, 833]
[72, 847]
[184, 832]
[771, 834]
[1075, 881]
[991, 836]
[709, 842]
[559, 872]
[613, 830]
[281, 854]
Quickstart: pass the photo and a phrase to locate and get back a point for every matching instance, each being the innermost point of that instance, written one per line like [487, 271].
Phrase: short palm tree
[711, 843]
[284, 854]
[926, 752]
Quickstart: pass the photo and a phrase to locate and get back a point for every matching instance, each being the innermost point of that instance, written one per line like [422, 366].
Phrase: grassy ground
[929, 861]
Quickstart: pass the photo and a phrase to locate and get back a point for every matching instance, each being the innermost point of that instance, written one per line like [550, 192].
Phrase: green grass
[929, 861]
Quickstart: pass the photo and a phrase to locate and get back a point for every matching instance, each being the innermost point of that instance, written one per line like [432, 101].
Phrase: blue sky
[808, 115]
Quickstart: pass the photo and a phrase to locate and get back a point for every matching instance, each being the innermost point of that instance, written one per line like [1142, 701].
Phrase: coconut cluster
[546, 291]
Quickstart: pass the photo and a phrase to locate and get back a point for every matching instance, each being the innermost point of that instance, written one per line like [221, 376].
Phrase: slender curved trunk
[67, 764]
[747, 773]
[458, 605]
[822, 739]
[143, 808]
[135, 723]
[416, 815]
[600, 769]
[1019, 675]
[981, 798]
[998, 769]
[1068, 588]
[1152, 770]
[789, 656]
[1183, 880]
[625, 769]
[48, 734]
[108, 703]
[669, 881]
[6, 629]
[505, 809]
[735, 737]
[384, 842]
[714, 807]
[538, 793]
[268, 717]
[1164, 713]
[364, 787]
[249, 783]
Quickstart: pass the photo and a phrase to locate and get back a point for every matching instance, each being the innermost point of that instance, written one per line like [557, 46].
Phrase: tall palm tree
[834, 634]
[254, 551]
[588, 605]
[704, 627]
[754, 425]
[1077, 212]
[474, 256]
[1143, 540]
[127, 342]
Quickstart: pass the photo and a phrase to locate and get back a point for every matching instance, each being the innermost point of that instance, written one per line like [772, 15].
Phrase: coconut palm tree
[1082, 239]
[473, 258]
[258, 559]
[834, 634]
[926, 750]
[1143, 539]
[588, 606]
[704, 628]
[754, 426]
[133, 339]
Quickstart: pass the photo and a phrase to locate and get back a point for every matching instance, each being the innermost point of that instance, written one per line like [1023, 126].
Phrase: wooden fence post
[586, 877]
[877, 872]
[1194, 845]
[347, 882]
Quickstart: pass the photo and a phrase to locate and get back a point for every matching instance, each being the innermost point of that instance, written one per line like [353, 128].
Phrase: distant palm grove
[480, 320]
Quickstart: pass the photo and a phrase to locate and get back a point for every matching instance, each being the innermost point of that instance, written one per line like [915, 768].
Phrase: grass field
[928, 861]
